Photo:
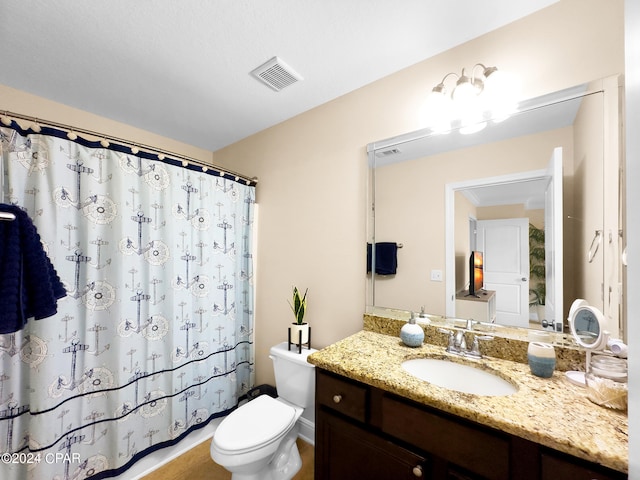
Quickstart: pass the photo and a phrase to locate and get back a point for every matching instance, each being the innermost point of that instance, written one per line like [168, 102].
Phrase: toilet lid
[254, 424]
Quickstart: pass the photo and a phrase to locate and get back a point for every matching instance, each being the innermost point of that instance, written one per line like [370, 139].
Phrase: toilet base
[283, 465]
[287, 462]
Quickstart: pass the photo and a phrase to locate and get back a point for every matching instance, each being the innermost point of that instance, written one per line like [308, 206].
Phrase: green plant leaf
[299, 305]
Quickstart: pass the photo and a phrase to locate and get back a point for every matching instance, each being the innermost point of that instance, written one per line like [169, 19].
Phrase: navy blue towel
[29, 285]
[386, 258]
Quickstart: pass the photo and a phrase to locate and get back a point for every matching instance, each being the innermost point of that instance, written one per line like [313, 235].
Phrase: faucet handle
[452, 340]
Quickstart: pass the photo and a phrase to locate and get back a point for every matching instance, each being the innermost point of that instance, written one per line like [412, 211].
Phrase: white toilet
[257, 441]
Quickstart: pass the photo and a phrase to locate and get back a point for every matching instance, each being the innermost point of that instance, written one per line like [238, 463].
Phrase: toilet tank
[295, 378]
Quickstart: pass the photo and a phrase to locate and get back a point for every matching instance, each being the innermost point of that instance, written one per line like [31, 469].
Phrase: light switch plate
[436, 275]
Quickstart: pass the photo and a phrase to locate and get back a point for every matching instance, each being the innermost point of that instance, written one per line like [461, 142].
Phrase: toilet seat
[256, 423]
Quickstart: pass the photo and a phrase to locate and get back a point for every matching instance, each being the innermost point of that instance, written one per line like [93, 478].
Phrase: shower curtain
[155, 335]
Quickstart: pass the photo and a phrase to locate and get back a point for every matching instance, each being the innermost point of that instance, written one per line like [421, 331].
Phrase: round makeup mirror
[586, 323]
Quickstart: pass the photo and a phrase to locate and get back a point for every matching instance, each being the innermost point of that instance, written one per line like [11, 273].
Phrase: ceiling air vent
[276, 74]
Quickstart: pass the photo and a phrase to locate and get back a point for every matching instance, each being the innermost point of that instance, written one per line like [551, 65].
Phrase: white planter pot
[295, 335]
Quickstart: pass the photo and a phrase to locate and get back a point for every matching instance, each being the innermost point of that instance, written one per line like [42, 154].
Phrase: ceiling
[180, 69]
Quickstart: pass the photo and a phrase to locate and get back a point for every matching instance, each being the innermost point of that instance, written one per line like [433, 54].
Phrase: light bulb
[495, 81]
[471, 114]
[468, 104]
[502, 92]
[464, 91]
[437, 111]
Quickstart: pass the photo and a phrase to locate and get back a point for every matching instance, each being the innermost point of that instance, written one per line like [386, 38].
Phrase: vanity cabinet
[365, 432]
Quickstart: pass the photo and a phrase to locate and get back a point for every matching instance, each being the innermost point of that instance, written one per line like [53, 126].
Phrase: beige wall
[596, 186]
[536, 216]
[17, 101]
[588, 197]
[312, 168]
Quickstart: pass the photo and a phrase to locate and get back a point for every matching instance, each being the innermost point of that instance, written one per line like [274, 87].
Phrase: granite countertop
[551, 412]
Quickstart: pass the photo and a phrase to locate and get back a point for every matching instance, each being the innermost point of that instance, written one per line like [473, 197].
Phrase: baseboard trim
[307, 430]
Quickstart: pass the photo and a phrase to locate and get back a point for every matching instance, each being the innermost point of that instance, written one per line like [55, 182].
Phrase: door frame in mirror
[450, 191]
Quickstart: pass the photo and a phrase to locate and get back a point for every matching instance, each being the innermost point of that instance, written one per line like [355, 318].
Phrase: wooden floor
[197, 464]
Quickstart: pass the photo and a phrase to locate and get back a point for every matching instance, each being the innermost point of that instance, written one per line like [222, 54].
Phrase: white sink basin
[459, 377]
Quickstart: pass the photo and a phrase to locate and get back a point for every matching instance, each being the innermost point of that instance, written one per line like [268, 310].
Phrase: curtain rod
[105, 140]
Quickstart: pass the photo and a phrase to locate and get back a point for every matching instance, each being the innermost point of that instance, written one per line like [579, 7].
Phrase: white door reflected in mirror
[505, 244]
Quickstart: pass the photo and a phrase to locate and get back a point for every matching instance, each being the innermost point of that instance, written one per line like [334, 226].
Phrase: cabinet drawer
[345, 450]
[554, 466]
[473, 448]
[341, 395]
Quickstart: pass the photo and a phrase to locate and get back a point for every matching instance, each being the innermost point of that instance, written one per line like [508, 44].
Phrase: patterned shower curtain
[155, 335]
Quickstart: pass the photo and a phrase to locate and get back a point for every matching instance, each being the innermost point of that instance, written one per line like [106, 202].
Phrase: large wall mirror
[539, 194]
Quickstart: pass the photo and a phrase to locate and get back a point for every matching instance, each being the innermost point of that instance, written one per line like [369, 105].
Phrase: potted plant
[537, 271]
[298, 305]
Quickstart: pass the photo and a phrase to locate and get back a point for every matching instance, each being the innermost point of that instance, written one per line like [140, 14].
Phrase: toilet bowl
[257, 441]
[255, 435]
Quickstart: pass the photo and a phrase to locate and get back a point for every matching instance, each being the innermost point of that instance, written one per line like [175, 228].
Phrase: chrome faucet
[460, 342]
[457, 342]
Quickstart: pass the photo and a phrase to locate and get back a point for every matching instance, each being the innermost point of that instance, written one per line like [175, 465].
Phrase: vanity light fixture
[485, 94]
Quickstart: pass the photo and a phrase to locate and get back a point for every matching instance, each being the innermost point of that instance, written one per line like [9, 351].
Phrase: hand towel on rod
[386, 257]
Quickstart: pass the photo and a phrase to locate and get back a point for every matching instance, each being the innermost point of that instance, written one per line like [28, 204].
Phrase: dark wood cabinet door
[350, 452]
[554, 466]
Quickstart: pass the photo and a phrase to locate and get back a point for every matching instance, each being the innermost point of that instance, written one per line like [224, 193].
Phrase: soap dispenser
[411, 333]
